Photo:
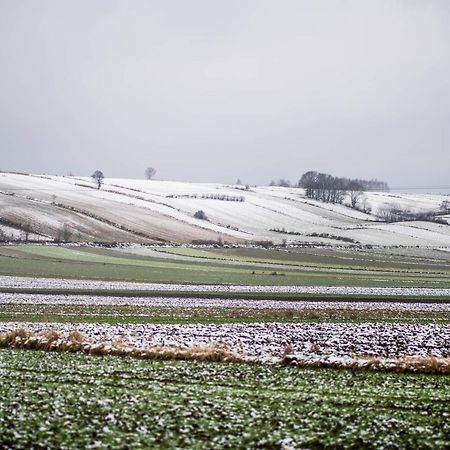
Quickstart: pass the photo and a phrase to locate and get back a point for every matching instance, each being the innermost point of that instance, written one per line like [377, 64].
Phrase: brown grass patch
[411, 364]
[51, 340]
[213, 353]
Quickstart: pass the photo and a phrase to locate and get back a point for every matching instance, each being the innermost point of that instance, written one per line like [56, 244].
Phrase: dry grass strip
[52, 340]
[407, 364]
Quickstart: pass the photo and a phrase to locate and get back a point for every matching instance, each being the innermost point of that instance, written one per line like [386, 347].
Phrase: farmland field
[297, 267]
[332, 348]
[225, 225]
[140, 211]
[113, 309]
[53, 400]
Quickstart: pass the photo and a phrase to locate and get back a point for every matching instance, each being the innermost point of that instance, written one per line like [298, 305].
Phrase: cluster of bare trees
[24, 227]
[390, 212]
[445, 207]
[326, 188]
[330, 189]
[374, 185]
[63, 234]
[281, 182]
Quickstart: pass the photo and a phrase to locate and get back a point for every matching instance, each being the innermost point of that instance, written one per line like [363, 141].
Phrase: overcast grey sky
[209, 90]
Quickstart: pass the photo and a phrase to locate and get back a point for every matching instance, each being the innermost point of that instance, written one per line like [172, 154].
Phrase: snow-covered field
[53, 283]
[179, 302]
[268, 341]
[12, 234]
[163, 211]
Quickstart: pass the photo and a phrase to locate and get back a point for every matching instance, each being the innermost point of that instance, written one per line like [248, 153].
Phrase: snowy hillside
[141, 211]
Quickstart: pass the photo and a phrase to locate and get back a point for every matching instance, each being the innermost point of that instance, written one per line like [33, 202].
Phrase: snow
[15, 234]
[57, 283]
[151, 211]
[267, 341]
[412, 202]
[192, 302]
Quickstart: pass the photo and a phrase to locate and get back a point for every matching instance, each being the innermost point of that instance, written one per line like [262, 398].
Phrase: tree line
[330, 189]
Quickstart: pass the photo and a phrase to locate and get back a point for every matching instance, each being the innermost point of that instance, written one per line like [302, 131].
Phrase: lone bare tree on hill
[98, 178]
[150, 172]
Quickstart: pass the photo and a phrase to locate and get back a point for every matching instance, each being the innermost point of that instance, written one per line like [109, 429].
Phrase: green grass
[16, 312]
[57, 400]
[322, 258]
[102, 264]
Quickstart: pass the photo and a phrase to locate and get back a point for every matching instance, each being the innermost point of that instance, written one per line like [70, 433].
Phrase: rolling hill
[43, 207]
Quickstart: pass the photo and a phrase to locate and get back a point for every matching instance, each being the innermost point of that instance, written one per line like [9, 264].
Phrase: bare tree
[284, 183]
[63, 234]
[355, 192]
[98, 178]
[66, 233]
[26, 230]
[389, 212]
[364, 206]
[150, 172]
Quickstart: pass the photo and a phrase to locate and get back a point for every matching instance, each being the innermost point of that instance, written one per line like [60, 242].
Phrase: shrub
[200, 215]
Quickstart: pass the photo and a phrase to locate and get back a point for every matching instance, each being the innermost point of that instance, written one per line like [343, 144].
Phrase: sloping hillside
[141, 211]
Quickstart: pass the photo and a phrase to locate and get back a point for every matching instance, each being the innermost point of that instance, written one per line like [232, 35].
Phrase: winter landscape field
[239, 336]
[46, 208]
[224, 225]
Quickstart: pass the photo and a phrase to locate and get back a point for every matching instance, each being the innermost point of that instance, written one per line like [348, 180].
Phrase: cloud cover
[208, 90]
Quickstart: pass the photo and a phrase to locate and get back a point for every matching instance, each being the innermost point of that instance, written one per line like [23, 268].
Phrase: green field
[227, 266]
[24, 312]
[407, 260]
[72, 401]
[52, 400]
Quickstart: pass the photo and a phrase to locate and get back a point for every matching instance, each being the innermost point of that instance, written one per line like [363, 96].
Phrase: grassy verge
[60, 400]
